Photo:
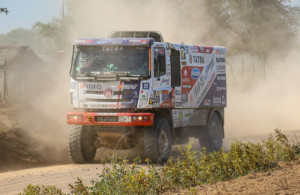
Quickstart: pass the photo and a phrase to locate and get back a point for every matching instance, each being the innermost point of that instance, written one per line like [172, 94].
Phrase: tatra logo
[108, 93]
[198, 59]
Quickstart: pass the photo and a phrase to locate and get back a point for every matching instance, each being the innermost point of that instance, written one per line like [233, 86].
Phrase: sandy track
[60, 175]
[13, 182]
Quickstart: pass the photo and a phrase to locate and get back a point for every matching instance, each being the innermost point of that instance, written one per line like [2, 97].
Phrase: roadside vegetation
[191, 169]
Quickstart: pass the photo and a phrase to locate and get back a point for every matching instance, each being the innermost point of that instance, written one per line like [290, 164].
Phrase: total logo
[108, 93]
[195, 73]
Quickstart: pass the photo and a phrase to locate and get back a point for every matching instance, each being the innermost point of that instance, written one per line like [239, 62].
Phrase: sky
[24, 13]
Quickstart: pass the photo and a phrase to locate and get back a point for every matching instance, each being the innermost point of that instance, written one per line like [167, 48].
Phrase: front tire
[212, 137]
[158, 141]
[82, 144]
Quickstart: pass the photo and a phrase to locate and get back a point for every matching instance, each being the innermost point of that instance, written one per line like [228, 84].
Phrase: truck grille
[108, 100]
[106, 118]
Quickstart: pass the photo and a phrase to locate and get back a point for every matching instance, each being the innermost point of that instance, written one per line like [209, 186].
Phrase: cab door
[162, 90]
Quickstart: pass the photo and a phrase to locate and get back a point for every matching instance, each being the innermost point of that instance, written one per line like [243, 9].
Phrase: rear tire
[212, 137]
[82, 144]
[158, 141]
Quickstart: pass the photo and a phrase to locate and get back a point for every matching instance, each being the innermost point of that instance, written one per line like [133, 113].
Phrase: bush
[191, 169]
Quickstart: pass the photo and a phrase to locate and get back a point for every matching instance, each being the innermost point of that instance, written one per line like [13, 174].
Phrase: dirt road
[14, 179]
[14, 182]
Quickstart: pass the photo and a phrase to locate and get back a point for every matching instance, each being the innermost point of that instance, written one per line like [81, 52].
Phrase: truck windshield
[130, 59]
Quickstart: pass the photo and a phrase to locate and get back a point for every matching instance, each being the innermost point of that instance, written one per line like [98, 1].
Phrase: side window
[159, 61]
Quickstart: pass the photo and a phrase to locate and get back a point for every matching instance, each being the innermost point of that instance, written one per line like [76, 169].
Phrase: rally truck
[132, 89]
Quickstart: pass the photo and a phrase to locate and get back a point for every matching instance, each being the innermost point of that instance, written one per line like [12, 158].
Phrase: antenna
[63, 23]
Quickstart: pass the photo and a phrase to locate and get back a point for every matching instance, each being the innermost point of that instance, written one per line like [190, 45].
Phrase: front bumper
[116, 119]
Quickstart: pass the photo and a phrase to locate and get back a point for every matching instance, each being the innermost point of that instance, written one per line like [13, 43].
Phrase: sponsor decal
[185, 73]
[195, 73]
[165, 95]
[217, 100]
[96, 105]
[184, 98]
[93, 86]
[129, 86]
[223, 100]
[198, 59]
[220, 60]
[205, 89]
[112, 48]
[118, 106]
[102, 41]
[189, 115]
[185, 80]
[187, 50]
[146, 85]
[221, 78]
[191, 58]
[183, 54]
[73, 85]
[208, 66]
[108, 93]
[199, 85]
[187, 86]
[221, 88]
[177, 92]
[138, 41]
[220, 51]
[221, 68]
[144, 97]
[85, 41]
[197, 49]
[154, 100]
[163, 80]
[207, 102]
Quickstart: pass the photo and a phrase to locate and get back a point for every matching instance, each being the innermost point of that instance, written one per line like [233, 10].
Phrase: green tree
[254, 26]
[4, 10]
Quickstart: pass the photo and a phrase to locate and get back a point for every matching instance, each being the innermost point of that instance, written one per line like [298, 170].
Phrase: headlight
[140, 118]
[75, 117]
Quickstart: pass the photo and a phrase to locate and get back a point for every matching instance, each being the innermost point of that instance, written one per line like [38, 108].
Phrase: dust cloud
[270, 100]
[43, 106]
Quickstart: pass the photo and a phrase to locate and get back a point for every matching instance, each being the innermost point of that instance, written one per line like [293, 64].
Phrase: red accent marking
[86, 115]
[203, 49]
[119, 94]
